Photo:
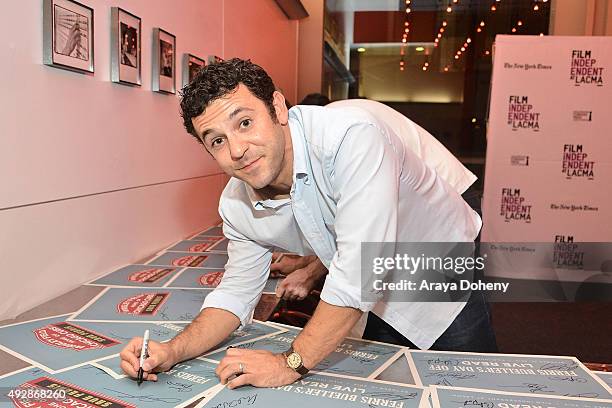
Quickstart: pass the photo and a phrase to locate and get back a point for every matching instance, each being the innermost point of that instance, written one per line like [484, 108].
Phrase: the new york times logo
[584, 69]
[521, 114]
[575, 163]
[582, 116]
[566, 254]
[519, 160]
[513, 206]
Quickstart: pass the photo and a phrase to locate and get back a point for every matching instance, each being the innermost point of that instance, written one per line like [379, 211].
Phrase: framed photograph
[164, 61]
[68, 41]
[191, 66]
[212, 59]
[125, 47]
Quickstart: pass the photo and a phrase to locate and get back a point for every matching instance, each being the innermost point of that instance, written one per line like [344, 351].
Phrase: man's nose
[237, 146]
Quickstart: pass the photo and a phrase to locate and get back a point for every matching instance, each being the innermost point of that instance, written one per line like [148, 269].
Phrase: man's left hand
[260, 368]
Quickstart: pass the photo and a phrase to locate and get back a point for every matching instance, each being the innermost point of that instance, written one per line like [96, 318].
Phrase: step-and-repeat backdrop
[548, 171]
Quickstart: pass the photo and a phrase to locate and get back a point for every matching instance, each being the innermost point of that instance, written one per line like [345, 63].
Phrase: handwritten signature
[531, 387]
[559, 366]
[476, 403]
[144, 398]
[180, 387]
[248, 400]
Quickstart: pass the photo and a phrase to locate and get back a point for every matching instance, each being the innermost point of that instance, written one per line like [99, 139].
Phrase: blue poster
[54, 344]
[353, 357]
[209, 278]
[248, 333]
[143, 305]
[90, 387]
[210, 232]
[204, 244]
[606, 377]
[323, 392]
[446, 397]
[190, 259]
[548, 375]
[138, 275]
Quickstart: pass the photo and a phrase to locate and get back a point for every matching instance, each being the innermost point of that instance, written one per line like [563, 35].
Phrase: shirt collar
[298, 141]
[260, 203]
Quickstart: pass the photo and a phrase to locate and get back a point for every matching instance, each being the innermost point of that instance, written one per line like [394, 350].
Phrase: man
[301, 274]
[312, 181]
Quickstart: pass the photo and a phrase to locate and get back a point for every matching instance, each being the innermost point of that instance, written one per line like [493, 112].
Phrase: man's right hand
[288, 264]
[161, 358]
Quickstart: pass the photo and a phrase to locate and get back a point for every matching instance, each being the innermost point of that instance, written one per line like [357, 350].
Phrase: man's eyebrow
[239, 110]
[206, 133]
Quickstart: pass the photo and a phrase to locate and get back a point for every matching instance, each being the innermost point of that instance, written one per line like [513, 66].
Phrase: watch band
[300, 369]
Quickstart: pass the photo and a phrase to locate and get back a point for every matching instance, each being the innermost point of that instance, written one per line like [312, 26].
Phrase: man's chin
[255, 184]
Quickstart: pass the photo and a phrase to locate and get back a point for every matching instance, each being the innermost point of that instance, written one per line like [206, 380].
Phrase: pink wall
[310, 55]
[95, 175]
[260, 31]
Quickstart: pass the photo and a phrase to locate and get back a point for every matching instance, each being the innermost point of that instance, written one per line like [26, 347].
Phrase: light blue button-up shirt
[355, 180]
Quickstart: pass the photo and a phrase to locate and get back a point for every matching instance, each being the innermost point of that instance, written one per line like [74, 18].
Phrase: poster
[605, 376]
[548, 375]
[209, 278]
[55, 344]
[206, 244]
[353, 357]
[138, 275]
[143, 305]
[190, 259]
[210, 232]
[255, 330]
[446, 397]
[324, 392]
[90, 387]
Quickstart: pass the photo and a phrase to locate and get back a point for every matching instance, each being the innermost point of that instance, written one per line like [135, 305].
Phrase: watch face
[294, 360]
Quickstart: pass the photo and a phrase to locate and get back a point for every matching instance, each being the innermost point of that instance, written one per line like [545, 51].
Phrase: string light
[405, 36]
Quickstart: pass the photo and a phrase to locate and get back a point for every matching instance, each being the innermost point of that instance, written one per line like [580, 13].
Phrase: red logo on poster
[150, 275]
[201, 247]
[145, 304]
[70, 336]
[211, 279]
[190, 260]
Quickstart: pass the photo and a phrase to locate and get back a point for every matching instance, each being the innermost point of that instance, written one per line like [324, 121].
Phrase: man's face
[242, 137]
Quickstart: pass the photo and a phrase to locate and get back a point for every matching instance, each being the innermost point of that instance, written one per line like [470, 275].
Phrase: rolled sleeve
[366, 180]
[338, 292]
[223, 300]
[245, 276]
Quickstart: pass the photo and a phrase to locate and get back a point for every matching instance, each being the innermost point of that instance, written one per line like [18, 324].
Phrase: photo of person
[165, 61]
[194, 67]
[71, 32]
[129, 45]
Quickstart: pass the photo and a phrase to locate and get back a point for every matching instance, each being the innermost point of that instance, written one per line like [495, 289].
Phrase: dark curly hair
[216, 80]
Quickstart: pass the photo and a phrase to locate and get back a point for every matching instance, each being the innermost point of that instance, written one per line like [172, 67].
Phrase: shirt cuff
[233, 304]
[341, 293]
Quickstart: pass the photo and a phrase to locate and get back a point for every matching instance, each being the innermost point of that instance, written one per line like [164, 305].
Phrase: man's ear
[282, 114]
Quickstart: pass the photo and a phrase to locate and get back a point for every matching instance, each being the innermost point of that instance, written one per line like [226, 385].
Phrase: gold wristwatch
[294, 361]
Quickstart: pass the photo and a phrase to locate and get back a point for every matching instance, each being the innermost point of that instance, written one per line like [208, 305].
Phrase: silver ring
[240, 368]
